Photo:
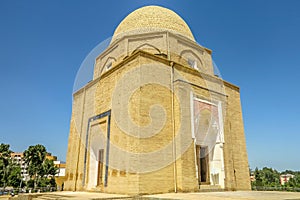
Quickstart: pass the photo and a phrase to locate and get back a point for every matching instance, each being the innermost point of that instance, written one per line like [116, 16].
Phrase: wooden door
[100, 167]
[202, 164]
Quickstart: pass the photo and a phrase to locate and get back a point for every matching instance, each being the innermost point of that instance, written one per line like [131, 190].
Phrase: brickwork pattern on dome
[151, 18]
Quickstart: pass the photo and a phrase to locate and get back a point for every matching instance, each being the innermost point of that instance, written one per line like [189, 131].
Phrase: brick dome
[152, 18]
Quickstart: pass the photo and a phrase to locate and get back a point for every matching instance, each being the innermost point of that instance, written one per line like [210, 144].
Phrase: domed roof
[151, 18]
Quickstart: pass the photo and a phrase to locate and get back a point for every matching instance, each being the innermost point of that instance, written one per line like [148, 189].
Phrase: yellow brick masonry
[96, 97]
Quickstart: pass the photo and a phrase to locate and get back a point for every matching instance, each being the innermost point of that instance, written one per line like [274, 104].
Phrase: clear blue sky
[256, 45]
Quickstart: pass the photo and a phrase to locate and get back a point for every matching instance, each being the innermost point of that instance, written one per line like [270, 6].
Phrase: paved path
[251, 195]
[240, 195]
[81, 196]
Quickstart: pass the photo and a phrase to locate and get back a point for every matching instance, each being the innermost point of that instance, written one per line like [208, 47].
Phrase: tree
[49, 171]
[258, 178]
[266, 177]
[5, 161]
[270, 177]
[34, 158]
[49, 168]
[39, 168]
[14, 178]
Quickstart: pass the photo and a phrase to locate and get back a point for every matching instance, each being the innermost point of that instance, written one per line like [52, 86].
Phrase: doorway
[202, 164]
[100, 167]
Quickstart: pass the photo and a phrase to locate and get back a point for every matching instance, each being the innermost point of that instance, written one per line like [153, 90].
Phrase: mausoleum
[156, 117]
